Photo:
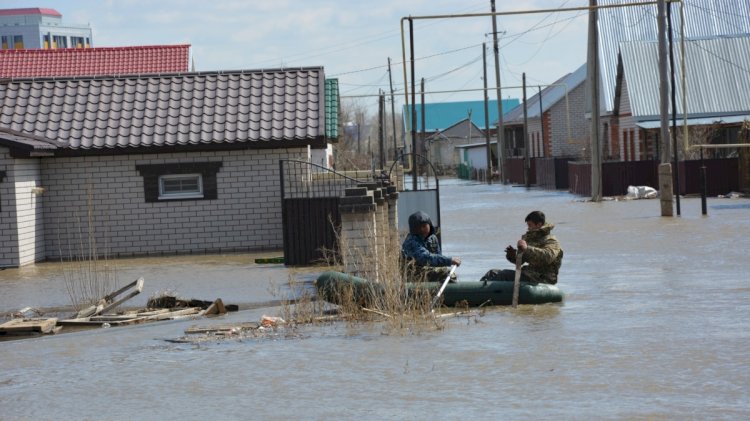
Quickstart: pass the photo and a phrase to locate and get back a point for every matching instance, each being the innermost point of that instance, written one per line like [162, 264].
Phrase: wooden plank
[44, 325]
[139, 313]
[138, 288]
[221, 328]
[115, 320]
[217, 307]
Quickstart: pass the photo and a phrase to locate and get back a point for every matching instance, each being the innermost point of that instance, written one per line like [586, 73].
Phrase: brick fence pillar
[358, 233]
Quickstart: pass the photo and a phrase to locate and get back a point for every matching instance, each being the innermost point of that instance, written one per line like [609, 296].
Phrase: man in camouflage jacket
[541, 252]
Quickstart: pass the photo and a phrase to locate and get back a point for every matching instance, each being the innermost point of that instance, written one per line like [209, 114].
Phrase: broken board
[25, 326]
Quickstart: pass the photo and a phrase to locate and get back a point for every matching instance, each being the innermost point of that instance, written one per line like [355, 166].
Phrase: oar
[517, 279]
[442, 287]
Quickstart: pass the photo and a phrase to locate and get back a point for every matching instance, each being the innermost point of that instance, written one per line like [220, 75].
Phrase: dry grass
[89, 274]
[388, 303]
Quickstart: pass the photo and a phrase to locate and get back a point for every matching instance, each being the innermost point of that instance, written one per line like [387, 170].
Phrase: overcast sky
[351, 39]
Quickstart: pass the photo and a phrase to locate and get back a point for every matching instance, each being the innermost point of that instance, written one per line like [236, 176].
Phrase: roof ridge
[91, 50]
[152, 75]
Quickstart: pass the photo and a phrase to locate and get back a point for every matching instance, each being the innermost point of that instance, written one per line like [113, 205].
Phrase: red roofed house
[94, 61]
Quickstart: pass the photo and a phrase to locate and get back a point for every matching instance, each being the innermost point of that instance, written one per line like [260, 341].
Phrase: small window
[59, 41]
[76, 42]
[180, 186]
[179, 181]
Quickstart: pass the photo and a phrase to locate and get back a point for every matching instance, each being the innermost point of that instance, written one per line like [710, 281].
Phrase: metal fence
[310, 210]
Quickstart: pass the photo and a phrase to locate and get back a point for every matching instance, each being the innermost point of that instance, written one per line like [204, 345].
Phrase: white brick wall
[29, 213]
[245, 216]
[8, 223]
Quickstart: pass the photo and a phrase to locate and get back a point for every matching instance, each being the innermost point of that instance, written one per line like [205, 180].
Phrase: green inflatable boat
[331, 286]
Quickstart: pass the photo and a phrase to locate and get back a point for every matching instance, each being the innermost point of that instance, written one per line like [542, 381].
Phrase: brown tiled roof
[66, 62]
[248, 109]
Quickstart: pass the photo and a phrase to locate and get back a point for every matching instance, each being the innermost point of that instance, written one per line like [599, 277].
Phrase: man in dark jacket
[541, 251]
[421, 251]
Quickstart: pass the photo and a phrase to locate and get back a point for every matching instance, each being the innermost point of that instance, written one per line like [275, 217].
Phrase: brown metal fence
[552, 173]
[514, 168]
[310, 210]
[722, 176]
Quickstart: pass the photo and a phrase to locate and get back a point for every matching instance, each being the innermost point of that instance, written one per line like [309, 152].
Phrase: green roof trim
[332, 108]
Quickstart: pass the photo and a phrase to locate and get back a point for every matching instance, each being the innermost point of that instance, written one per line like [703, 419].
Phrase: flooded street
[653, 326]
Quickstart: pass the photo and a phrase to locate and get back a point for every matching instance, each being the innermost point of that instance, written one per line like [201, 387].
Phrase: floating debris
[29, 327]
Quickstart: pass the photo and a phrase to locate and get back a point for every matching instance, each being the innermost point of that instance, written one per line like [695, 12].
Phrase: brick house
[557, 123]
[151, 164]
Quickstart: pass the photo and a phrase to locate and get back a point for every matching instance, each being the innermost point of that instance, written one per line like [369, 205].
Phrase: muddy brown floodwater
[653, 326]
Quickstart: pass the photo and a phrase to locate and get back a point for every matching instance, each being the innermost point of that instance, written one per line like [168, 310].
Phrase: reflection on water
[653, 326]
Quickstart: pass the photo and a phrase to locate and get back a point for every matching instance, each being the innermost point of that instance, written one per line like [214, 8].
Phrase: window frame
[152, 173]
[196, 194]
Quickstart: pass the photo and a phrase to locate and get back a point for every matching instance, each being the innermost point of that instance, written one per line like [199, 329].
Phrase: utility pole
[665, 168]
[393, 112]
[592, 70]
[526, 164]
[486, 115]
[413, 110]
[424, 132]
[359, 133]
[500, 135]
[381, 128]
[675, 151]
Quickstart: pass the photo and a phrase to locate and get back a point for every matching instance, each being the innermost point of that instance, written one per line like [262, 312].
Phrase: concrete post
[399, 177]
[392, 198]
[381, 231]
[665, 189]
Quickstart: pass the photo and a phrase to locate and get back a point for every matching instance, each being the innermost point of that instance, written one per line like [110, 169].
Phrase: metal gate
[310, 210]
[421, 191]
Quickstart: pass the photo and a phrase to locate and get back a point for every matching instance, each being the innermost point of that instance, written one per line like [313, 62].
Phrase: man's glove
[510, 254]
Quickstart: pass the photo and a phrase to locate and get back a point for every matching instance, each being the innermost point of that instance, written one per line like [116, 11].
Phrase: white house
[151, 164]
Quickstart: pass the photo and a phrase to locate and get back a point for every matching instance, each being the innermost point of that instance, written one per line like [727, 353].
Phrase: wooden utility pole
[592, 69]
[526, 163]
[500, 135]
[393, 112]
[665, 168]
[381, 128]
[486, 115]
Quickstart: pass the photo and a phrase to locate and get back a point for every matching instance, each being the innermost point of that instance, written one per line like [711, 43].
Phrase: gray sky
[351, 39]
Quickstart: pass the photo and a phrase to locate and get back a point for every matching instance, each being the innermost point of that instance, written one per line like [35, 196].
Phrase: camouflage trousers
[507, 275]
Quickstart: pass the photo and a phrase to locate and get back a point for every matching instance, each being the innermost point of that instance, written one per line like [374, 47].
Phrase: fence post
[358, 231]
[381, 232]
